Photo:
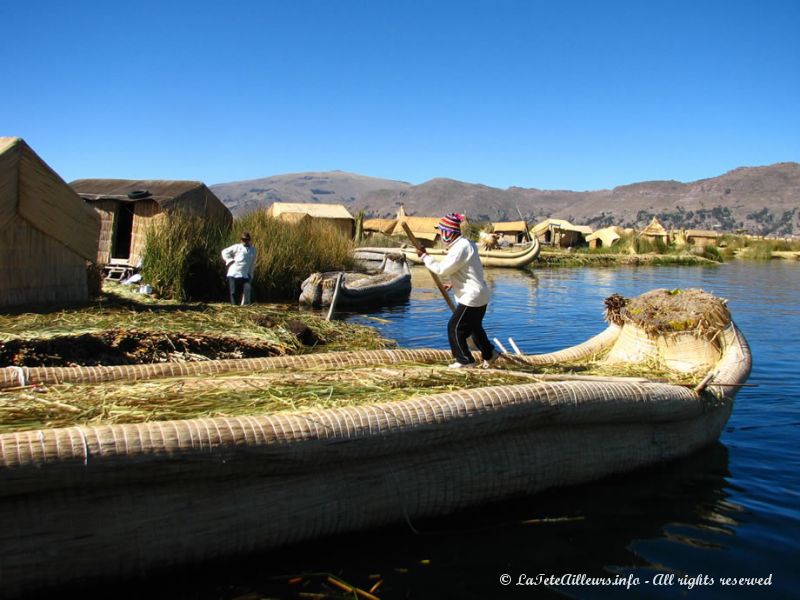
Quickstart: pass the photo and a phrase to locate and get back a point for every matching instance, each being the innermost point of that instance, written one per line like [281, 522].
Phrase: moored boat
[106, 501]
[391, 284]
[514, 258]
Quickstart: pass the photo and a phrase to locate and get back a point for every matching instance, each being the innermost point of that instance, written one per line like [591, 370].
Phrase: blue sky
[555, 95]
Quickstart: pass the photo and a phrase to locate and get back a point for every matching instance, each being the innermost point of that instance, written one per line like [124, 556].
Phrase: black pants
[240, 289]
[468, 321]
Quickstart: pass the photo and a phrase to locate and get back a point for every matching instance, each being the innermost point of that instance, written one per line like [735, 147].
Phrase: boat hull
[490, 258]
[107, 502]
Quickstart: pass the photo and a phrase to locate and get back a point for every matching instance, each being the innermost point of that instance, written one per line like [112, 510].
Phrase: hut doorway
[123, 232]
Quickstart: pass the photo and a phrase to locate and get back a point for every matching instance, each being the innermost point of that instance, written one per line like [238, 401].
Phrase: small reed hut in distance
[559, 232]
[335, 214]
[423, 228]
[513, 232]
[127, 208]
[47, 233]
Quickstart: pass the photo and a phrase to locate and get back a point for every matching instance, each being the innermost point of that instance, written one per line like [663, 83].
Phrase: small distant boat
[391, 284]
[511, 259]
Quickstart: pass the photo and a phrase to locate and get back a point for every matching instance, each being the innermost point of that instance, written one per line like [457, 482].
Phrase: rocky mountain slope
[759, 200]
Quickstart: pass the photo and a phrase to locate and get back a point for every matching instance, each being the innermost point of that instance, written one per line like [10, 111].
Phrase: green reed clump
[287, 253]
[381, 240]
[181, 258]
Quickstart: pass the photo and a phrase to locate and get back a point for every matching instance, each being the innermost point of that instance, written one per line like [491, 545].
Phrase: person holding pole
[462, 265]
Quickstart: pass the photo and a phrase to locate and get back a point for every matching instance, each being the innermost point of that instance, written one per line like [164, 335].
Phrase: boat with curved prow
[100, 501]
[510, 259]
[391, 284]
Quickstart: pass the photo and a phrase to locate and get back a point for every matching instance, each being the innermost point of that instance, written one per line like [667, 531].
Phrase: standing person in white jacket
[462, 265]
[240, 260]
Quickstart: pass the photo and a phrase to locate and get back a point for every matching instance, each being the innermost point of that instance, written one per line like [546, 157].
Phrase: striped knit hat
[450, 226]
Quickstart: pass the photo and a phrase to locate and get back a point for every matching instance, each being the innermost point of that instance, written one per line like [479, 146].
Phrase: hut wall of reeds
[603, 238]
[128, 208]
[700, 237]
[47, 233]
[514, 232]
[558, 232]
[335, 214]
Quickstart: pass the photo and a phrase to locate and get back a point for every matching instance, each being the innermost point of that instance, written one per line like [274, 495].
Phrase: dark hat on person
[245, 236]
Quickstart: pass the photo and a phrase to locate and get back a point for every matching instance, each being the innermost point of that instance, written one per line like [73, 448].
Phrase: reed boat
[392, 283]
[511, 259]
[104, 502]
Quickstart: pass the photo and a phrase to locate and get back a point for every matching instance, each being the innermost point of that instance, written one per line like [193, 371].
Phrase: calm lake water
[732, 510]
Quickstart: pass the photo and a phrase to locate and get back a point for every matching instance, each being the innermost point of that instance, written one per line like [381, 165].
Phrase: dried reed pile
[664, 312]
[65, 405]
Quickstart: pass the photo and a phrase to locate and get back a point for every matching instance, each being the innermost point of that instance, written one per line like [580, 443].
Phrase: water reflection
[619, 525]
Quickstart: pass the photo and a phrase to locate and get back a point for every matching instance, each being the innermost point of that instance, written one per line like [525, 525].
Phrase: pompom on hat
[450, 226]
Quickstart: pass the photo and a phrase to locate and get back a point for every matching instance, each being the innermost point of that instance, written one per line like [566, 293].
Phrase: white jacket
[242, 259]
[462, 265]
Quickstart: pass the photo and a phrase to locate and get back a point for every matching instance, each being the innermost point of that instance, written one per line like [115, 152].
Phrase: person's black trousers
[468, 321]
[240, 289]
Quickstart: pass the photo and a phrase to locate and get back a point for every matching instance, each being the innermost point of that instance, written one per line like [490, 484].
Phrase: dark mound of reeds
[120, 347]
[665, 312]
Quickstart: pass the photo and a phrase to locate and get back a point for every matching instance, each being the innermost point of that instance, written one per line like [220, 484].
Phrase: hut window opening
[123, 232]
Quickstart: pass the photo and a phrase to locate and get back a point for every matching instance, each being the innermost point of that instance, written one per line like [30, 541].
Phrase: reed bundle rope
[551, 404]
[16, 376]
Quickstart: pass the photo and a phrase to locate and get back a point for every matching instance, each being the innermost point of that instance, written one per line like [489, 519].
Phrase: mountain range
[759, 200]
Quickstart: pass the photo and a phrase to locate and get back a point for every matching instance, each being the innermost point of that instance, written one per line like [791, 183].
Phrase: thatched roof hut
[384, 226]
[47, 233]
[423, 228]
[128, 208]
[560, 232]
[655, 231]
[603, 238]
[701, 237]
[335, 214]
[514, 232]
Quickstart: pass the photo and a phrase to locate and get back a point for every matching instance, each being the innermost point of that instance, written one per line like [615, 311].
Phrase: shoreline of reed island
[122, 327]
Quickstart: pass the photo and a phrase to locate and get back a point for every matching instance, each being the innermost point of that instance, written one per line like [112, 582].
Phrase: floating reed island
[133, 468]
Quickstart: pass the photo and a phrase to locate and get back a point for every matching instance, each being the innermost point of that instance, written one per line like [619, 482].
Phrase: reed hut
[701, 237]
[559, 232]
[335, 214]
[128, 208]
[513, 232]
[47, 233]
[423, 228]
[655, 232]
[603, 238]
[384, 226]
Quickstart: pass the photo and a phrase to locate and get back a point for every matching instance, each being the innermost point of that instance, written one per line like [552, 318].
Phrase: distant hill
[332, 187]
[760, 200]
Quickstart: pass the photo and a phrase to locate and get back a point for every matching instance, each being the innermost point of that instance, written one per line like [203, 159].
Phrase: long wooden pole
[434, 276]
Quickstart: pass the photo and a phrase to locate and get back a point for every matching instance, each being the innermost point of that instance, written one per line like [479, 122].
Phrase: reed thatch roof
[510, 227]
[696, 233]
[317, 211]
[31, 190]
[607, 235]
[385, 226]
[654, 228]
[170, 195]
[562, 224]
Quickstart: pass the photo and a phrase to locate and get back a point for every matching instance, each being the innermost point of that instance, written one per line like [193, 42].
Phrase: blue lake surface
[732, 510]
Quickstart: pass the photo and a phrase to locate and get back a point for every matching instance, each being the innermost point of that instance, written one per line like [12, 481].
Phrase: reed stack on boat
[96, 501]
